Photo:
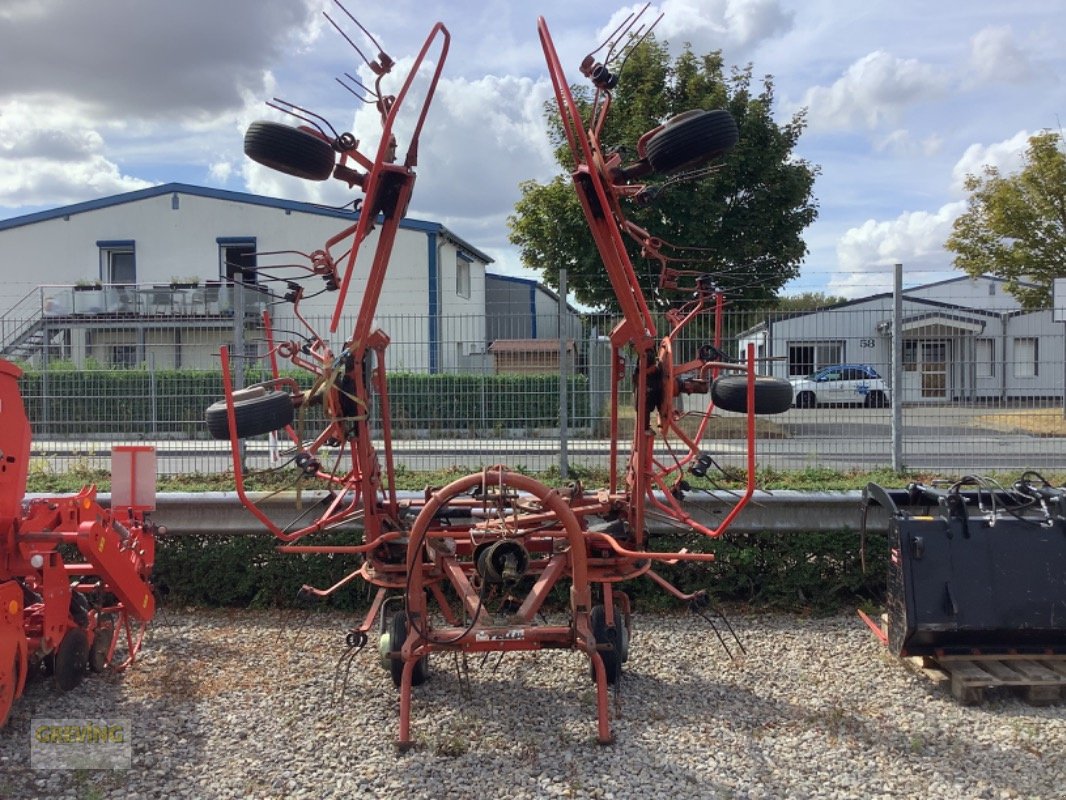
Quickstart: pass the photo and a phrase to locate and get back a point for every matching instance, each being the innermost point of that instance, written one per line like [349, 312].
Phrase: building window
[124, 355]
[462, 276]
[985, 355]
[237, 259]
[807, 357]
[117, 261]
[1026, 353]
[910, 355]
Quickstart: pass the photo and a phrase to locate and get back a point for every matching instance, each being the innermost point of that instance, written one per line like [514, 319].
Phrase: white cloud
[220, 171]
[914, 237]
[995, 56]
[873, 91]
[901, 142]
[1006, 156]
[51, 153]
[732, 25]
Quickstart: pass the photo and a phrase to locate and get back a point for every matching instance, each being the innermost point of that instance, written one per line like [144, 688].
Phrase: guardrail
[206, 513]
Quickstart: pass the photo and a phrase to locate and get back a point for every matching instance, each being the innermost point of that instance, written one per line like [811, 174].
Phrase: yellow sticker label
[13, 607]
[103, 542]
[144, 602]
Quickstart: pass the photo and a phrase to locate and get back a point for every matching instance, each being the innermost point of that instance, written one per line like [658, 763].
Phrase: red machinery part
[53, 608]
[474, 562]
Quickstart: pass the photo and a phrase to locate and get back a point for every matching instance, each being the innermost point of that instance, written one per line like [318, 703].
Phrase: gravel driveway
[238, 704]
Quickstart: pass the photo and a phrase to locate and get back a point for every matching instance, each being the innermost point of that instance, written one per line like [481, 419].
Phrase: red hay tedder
[467, 567]
[75, 588]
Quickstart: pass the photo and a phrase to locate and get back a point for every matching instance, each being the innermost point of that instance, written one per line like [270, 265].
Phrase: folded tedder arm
[470, 566]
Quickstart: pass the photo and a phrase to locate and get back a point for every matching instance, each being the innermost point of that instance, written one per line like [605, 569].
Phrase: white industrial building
[162, 274]
[964, 339]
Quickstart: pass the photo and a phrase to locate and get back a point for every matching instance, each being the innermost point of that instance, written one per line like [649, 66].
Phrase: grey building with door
[964, 340]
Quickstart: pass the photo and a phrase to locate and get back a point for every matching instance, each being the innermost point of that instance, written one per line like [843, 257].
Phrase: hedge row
[78, 402]
[803, 571]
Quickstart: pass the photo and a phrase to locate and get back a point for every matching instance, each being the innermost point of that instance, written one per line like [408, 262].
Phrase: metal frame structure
[472, 564]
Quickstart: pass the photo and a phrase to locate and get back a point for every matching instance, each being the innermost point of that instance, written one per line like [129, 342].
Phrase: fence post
[153, 394]
[238, 349]
[564, 438]
[897, 369]
[42, 422]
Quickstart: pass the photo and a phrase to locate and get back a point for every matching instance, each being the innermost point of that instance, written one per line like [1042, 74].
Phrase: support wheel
[617, 636]
[772, 395]
[397, 636]
[72, 657]
[691, 139]
[289, 150]
[256, 410]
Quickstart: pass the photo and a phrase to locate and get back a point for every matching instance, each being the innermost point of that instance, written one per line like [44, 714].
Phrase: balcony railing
[210, 299]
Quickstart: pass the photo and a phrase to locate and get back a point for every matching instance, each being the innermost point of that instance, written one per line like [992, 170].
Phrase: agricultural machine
[75, 577]
[468, 567]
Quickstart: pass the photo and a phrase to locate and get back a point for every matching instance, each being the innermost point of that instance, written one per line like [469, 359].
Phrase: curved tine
[283, 252]
[627, 22]
[367, 33]
[352, 91]
[347, 38]
[309, 117]
[349, 654]
[639, 34]
[360, 84]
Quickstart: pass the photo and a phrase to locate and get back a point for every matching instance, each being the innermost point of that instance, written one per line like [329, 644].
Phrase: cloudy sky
[904, 99]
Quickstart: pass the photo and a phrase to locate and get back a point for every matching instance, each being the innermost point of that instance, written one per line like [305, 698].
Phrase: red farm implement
[469, 567]
[75, 590]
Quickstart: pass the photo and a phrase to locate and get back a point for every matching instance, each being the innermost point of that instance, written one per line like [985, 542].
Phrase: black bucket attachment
[975, 570]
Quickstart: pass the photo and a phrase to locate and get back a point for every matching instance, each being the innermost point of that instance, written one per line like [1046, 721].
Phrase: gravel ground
[238, 704]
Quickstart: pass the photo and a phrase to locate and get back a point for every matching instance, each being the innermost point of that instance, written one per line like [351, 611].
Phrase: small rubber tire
[72, 659]
[617, 636]
[876, 399]
[691, 139]
[256, 411]
[806, 400]
[772, 395]
[289, 150]
[397, 636]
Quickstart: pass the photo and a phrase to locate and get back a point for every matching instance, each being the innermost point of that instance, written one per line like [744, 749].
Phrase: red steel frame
[37, 579]
[428, 549]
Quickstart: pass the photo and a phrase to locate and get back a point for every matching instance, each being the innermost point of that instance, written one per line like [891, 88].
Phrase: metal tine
[353, 92]
[348, 38]
[307, 116]
[368, 34]
[616, 30]
[728, 624]
[350, 655]
[631, 39]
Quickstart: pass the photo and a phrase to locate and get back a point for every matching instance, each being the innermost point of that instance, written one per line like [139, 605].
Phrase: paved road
[947, 439]
[839, 443]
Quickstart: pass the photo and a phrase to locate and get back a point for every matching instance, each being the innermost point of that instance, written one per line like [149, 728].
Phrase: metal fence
[978, 390]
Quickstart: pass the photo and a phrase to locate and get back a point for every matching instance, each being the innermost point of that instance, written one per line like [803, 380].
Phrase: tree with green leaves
[748, 215]
[1014, 226]
[807, 301]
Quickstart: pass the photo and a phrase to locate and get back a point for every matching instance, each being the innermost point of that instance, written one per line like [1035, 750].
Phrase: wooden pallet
[1040, 680]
